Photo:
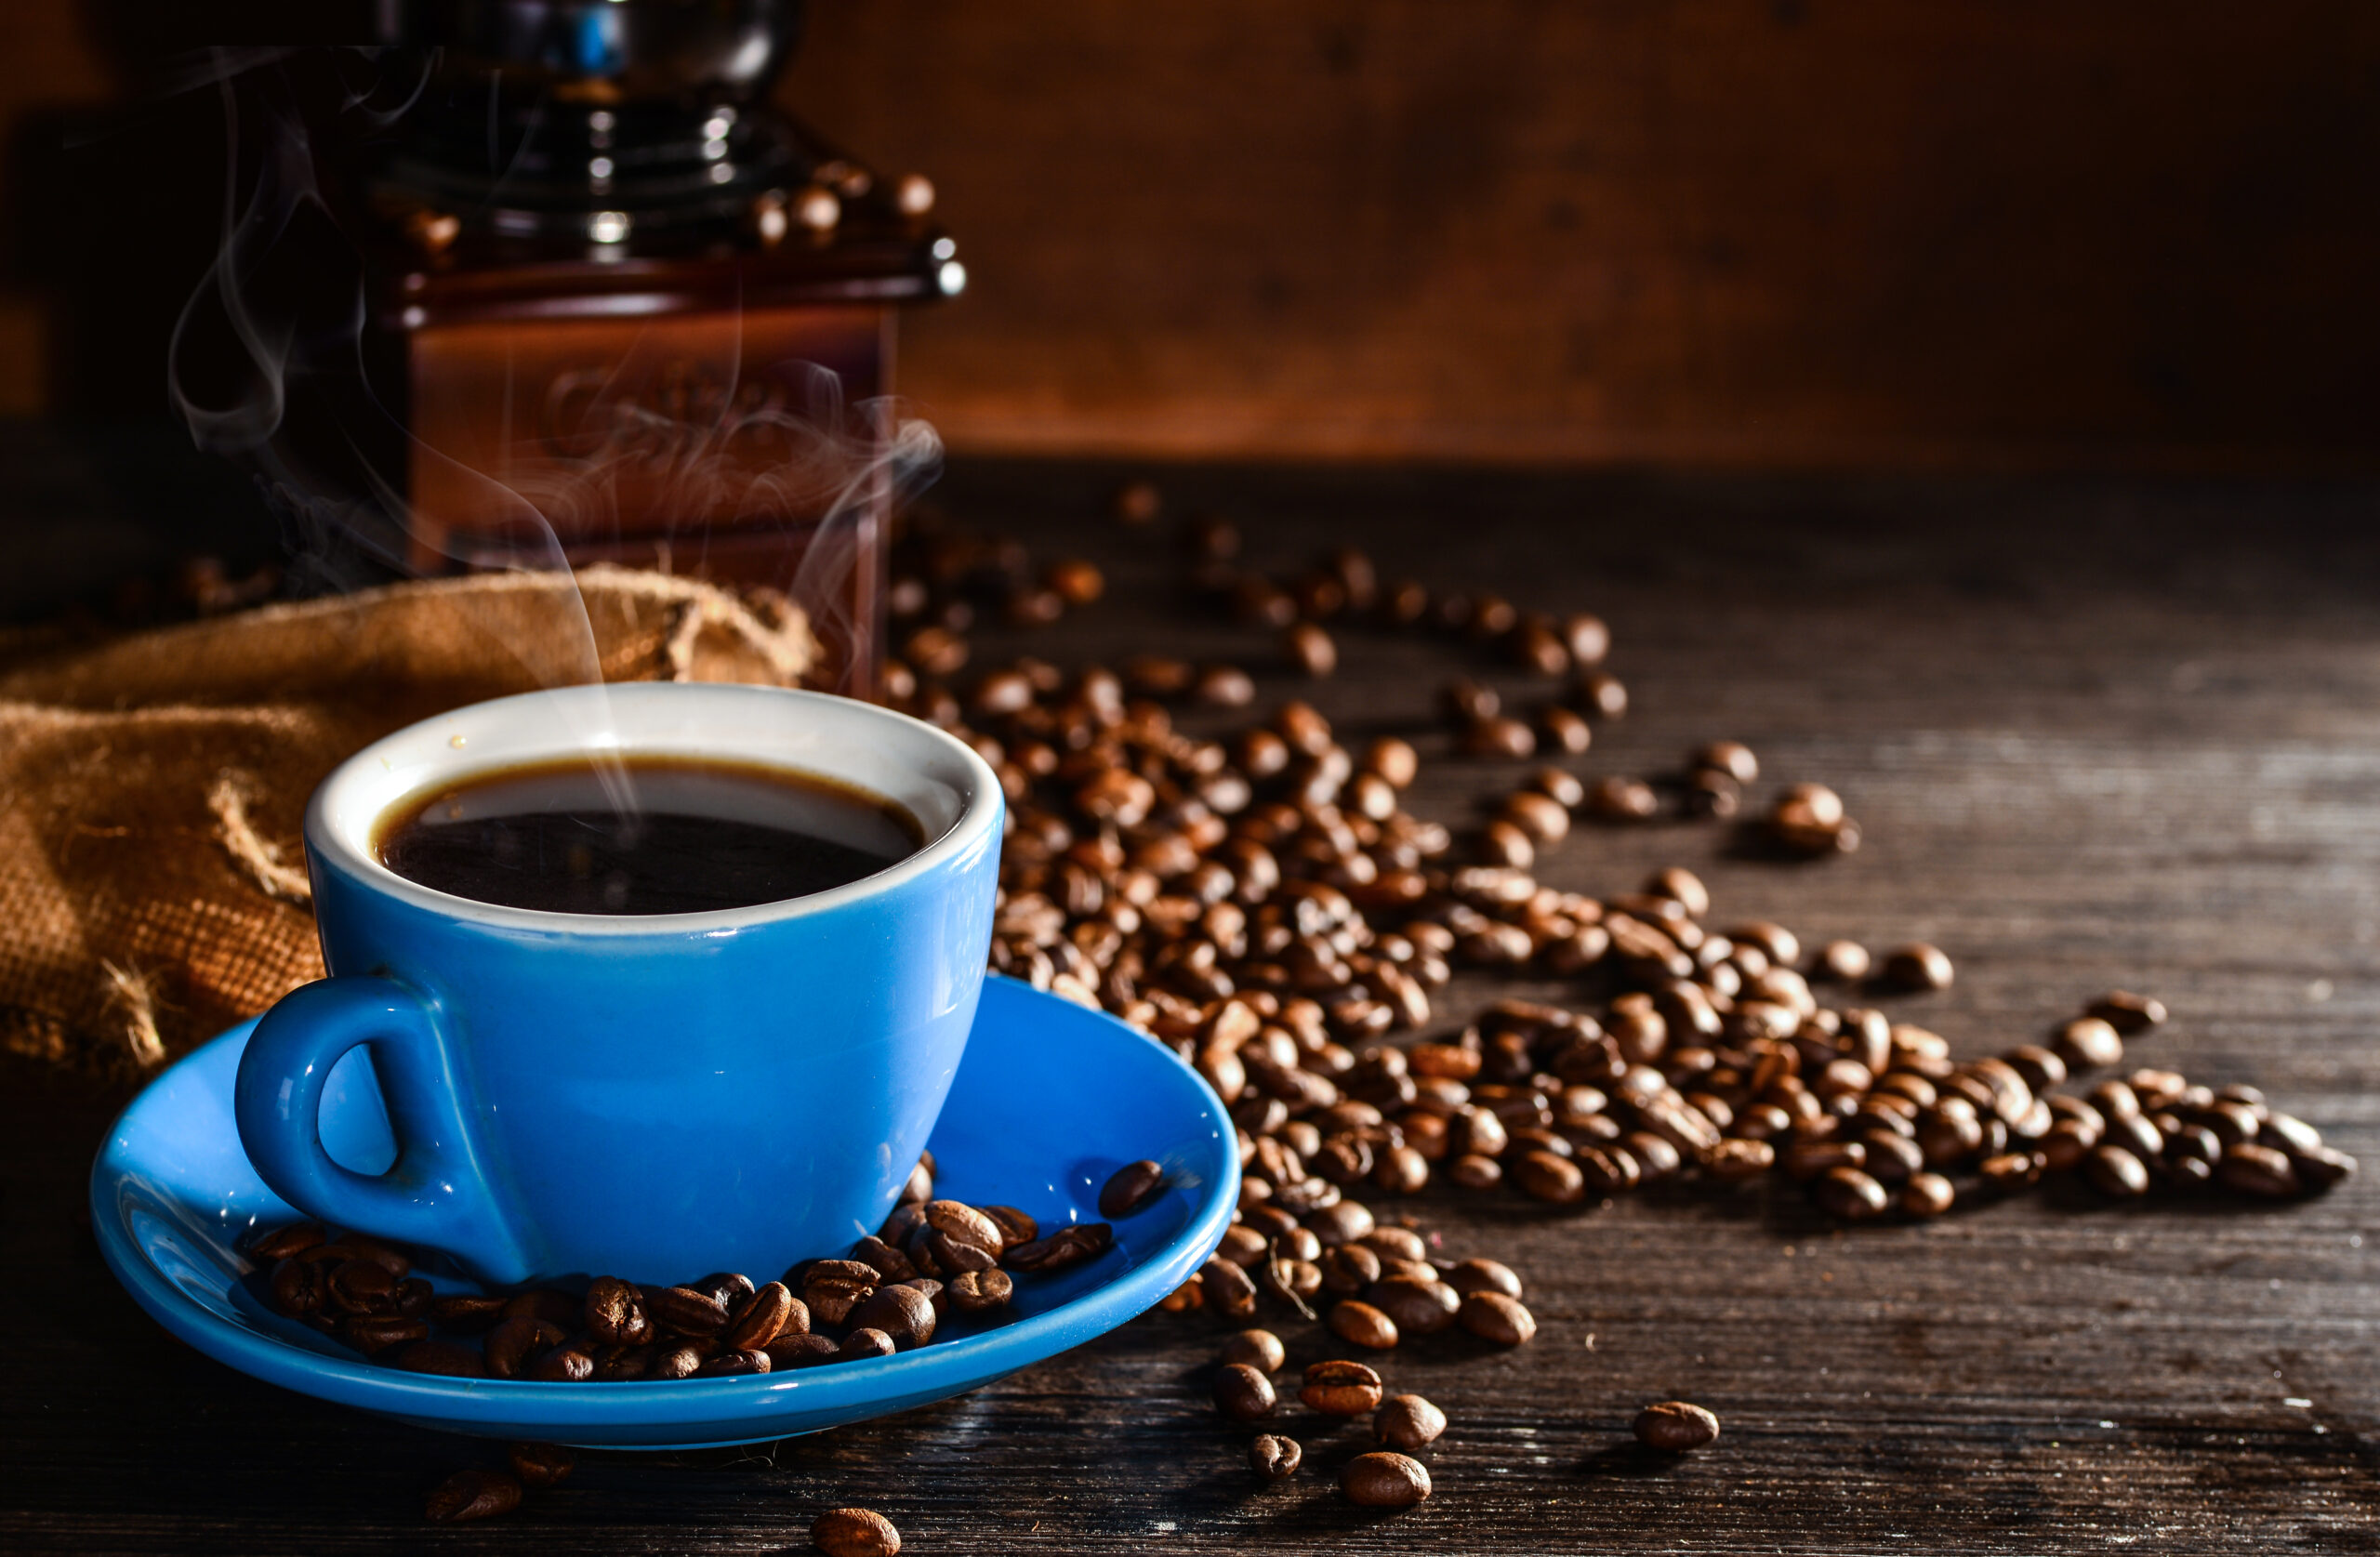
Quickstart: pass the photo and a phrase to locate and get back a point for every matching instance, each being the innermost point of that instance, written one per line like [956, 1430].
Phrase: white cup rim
[910, 762]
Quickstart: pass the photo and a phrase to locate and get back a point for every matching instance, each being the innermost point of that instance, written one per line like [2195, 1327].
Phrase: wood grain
[2100, 734]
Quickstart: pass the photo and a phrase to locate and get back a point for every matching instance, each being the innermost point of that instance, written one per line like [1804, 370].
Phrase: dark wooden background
[1808, 231]
[2101, 732]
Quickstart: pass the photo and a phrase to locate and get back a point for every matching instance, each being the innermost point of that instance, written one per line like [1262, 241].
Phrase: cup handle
[436, 1196]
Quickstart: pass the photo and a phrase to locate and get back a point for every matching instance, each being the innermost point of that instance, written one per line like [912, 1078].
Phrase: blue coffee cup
[654, 1097]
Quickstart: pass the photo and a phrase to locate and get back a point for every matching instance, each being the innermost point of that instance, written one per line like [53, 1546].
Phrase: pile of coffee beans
[1261, 902]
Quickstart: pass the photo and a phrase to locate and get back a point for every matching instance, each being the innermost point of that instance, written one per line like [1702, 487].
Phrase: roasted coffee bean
[680, 1362]
[360, 1287]
[733, 1363]
[515, 1343]
[830, 1289]
[1731, 758]
[1494, 1317]
[1014, 1225]
[2089, 1043]
[374, 1333]
[1228, 1288]
[1554, 1179]
[444, 1358]
[1621, 799]
[1341, 1389]
[281, 1242]
[563, 1364]
[1483, 1275]
[863, 1344]
[614, 1313]
[1243, 1246]
[1675, 1427]
[467, 1313]
[2259, 1170]
[762, 1318]
[1498, 737]
[2129, 1014]
[1471, 1171]
[1408, 1423]
[1070, 1245]
[2319, 1168]
[980, 1291]
[1243, 1394]
[619, 1363]
[1260, 1350]
[1850, 1194]
[1608, 1170]
[1601, 696]
[1917, 966]
[2116, 1173]
[964, 1224]
[2008, 1170]
[787, 1353]
[541, 1464]
[686, 1312]
[1842, 962]
[903, 1313]
[854, 1533]
[890, 1263]
[1274, 1457]
[1359, 1324]
[1415, 1305]
[472, 1494]
[1130, 1188]
[1349, 1269]
[1383, 1480]
[298, 1288]
[1926, 1194]
[1564, 731]
[1310, 650]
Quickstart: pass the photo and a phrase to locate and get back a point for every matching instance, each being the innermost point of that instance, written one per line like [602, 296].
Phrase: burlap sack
[152, 884]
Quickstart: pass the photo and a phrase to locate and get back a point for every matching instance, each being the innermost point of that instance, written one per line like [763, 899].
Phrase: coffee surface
[645, 835]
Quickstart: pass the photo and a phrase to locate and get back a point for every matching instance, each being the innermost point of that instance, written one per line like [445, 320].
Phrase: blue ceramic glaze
[1049, 1100]
[655, 1097]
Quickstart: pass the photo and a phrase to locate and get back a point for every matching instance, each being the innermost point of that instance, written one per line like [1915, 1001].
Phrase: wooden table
[2101, 732]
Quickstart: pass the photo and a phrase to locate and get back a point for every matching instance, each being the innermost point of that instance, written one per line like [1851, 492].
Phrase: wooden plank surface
[2100, 734]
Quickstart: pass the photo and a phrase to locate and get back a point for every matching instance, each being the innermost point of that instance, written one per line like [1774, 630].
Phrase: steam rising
[268, 367]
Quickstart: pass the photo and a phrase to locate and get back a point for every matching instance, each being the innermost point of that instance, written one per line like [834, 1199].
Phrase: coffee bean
[2257, 1170]
[1564, 731]
[830, 1289]
[1415, 1305]
[563, 1364]
[281, 1242]
[854, 1533]
[1341, 1389]
[514, 1343]
[1600, 696]
[903, 1313]
[614, 1314]
[1842, 962]
[1382, 1480]
[541, 1464]
[962, 1224]
[1359, 1324]
[1242, 1393]
[2116, 1172]
[1476, 1274]
[1508, 739]
[1070, 1245]
[467, 1313]
[680, 1362]
[2129, 1014]
[1228, 1288]
[1014, 1225]
[1675, 1427]
[298, 1288]
[1408, 1423]
[616, 1365]
[1554, 1179]
[1850, 1194]
[734, 1365]
[1260, 1350]
[1917, 966]
[1310, 649]
[1349, 1269]
[1621, 799]
[1130, 1188]
[2089, 1043]
[1731, 758]
[2321, 1168]
[980, 1291]
[1471, 1171]
[1926, 1194]
[865, 1343]
[787, 1353]
[472, 1494]
[1274, 1457]
[1494, 1317]
[688, 1312]
[444, 1358]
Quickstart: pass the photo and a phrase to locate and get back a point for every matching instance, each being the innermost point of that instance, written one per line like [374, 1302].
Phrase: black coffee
[695, 836]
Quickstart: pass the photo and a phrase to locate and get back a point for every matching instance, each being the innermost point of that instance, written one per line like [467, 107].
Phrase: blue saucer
[1049, 1100]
